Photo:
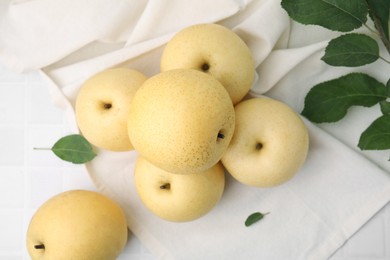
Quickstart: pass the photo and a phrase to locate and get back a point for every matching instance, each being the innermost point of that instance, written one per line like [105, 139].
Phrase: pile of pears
[193, 123]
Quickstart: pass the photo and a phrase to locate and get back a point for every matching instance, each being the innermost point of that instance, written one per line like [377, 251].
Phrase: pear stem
[107, 106]
[205, 67]
[41, 246]
[259, 146]
[165, 186]
[221, 135]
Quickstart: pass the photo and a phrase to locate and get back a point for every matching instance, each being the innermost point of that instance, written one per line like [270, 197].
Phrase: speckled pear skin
[176, 118]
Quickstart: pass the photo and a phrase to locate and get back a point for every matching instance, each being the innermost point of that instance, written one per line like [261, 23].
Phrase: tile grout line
[26, 177]
[387, 231]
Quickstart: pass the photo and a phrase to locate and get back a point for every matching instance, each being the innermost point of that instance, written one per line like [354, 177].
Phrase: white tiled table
[29, 177]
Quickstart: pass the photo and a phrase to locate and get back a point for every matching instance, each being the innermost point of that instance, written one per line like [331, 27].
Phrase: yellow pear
[215, 50]
[178, 197]
[269, 145]
[181, 121]
[77, 224]
[102, 107]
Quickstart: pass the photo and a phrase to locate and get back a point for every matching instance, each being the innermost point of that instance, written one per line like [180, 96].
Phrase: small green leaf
[330, 100]
[385, 107]
[74, 148]
[336, 15]
[377, 135]
[351, 50]
[254, 217]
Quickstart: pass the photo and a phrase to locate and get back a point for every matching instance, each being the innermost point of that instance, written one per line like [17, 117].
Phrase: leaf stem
[42, 148]
[371, 29]
[379, 30]
[385, 60]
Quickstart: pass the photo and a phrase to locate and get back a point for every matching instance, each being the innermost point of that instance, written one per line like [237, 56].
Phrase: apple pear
[270, 143]
[215, 50]
[181, 121]
[102, 107]
[178, 197]
[77, 224]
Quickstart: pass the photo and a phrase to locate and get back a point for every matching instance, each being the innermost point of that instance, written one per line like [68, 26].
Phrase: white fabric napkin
[338, 189]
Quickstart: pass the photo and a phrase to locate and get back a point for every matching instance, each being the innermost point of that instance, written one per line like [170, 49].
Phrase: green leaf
[330, 100]
[254, 217]
[385, 107]
[377, 135]
[379, 13]
[336, 15]
[74, 148]
[388, 87]
[351, 50]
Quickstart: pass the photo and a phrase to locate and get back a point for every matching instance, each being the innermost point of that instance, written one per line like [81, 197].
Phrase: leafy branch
[329, 101]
